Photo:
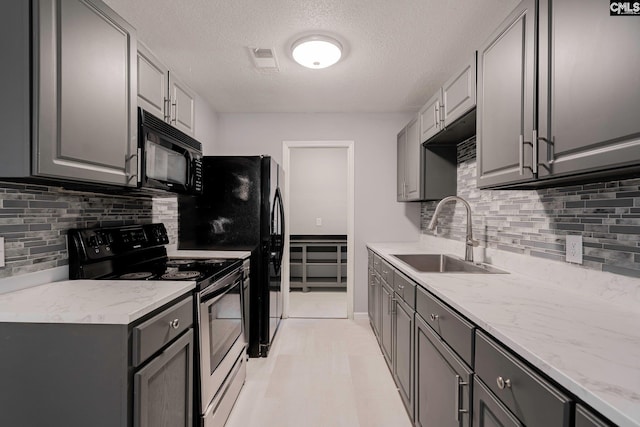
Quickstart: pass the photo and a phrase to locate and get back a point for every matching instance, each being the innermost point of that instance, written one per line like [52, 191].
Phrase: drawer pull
[400, 287]
[458, 390]
[434, 317]
[502, 383]
[175, 323]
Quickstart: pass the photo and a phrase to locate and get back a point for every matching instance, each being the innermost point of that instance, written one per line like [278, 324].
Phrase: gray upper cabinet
[183, 105]
[451, 102]
[459, 93]
[401, 167]
[153, 78]
[505, 114]
[424, 173]
[568, 111]
[589, 89]
[73, 117]
[430, 117]
[163, 94]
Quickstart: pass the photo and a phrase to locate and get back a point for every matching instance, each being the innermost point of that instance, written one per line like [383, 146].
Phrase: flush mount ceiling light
[316, 51]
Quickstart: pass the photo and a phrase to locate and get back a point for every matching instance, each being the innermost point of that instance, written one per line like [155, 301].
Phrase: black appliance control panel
[102, 243]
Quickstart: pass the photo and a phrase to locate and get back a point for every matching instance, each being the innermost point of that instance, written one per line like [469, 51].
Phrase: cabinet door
[403, 353]
[488, 411]
[371, 294]
[430, 117]
[505, 114]
[589, 94]
[163, 389]
[153, 84]
[86, 90]
[443, 382]
[386, 323]
[585, 418]
[459, 93]
[183, 105]
[401, 162]
[413, 162]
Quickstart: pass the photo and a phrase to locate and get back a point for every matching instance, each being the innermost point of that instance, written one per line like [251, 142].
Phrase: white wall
[206, 126]
[378, 217]
[318, 190]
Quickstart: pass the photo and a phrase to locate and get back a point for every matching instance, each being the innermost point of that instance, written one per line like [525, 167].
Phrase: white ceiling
[398, 52]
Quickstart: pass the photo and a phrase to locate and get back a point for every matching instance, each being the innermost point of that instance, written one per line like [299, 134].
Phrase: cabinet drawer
[585, 418]
[405, 288]
[386, 272]
[531, 398]
[151, 335]
[455, 330]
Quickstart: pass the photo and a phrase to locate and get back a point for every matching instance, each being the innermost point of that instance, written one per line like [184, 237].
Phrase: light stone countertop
[587, 340]
[90, 301]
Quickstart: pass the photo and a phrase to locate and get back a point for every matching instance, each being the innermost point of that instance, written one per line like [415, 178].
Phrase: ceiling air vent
[264, 58]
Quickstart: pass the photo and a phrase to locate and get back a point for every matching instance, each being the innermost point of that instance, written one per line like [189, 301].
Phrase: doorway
[319, 207]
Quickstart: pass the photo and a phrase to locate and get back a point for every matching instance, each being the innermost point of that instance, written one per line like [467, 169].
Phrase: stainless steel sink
[439, 263]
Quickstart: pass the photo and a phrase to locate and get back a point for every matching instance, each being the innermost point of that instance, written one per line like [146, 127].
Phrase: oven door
[221, 333]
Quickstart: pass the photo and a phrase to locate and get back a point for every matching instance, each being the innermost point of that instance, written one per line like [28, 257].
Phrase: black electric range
[138, 252]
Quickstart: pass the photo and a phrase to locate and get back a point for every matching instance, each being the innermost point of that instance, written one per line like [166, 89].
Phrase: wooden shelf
[318, 263]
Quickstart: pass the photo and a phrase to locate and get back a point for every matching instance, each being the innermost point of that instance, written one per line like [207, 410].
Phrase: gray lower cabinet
[99, 375]
[531, 399]
[403, 330]
[74, 116]
[586, 418]
[488, 411]
[163, 389]
[386, 322]
[443, 382]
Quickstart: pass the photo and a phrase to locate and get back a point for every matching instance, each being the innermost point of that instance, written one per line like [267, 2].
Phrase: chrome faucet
[470, 243]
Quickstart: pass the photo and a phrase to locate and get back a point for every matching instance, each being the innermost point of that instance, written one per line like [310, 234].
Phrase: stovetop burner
[138, 275]
[181, 275]
[180, 262]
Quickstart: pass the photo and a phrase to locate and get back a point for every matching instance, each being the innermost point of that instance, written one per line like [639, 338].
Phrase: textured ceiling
[397, 52]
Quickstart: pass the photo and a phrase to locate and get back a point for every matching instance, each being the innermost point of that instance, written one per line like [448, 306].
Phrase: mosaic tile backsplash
[34, 221]
[536, 222]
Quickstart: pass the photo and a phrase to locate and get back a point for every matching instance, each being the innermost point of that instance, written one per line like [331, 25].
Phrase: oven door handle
[213, 294]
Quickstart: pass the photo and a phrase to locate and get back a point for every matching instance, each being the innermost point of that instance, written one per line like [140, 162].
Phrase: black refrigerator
[241, 209]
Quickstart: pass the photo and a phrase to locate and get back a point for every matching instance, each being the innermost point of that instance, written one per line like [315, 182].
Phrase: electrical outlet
[1, 251]
[574, 248]
[319, 222]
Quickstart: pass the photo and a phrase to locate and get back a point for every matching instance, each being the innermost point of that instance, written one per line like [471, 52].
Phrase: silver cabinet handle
[503, 383]
[457, 390]
[400, 287]
[174, 324]
[167, 111]
[534, 148]
[442, 127]
[174, 113]
[434, 317]
[436, 119]
[549, 156]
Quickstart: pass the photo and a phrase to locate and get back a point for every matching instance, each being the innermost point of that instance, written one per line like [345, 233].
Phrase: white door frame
[286, 155]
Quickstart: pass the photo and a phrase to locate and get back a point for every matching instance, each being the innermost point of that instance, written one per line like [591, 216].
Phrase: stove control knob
[175, 323]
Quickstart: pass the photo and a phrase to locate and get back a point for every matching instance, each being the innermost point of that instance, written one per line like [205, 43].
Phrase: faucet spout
[469, 242]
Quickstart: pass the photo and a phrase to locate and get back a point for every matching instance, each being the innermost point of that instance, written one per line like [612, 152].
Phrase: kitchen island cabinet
[80, 97]
[98, 353]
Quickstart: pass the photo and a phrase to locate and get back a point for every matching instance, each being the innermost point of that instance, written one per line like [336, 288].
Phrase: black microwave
[169, 159]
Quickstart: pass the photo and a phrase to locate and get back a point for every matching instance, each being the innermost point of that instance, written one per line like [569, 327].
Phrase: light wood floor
[320, 373]
[318, 304]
